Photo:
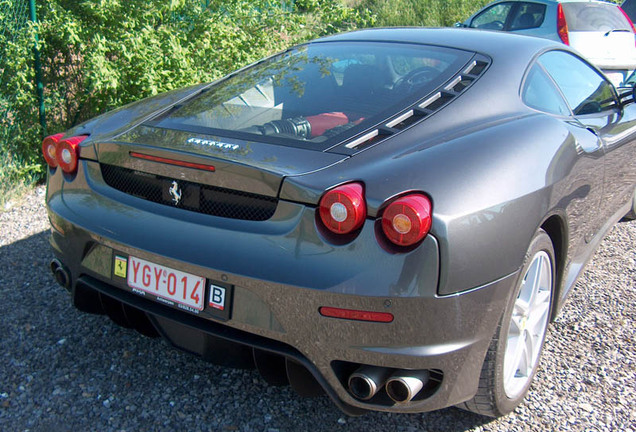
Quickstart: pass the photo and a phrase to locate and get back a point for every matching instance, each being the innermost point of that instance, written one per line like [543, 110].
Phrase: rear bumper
[449, 334]
[279, 287]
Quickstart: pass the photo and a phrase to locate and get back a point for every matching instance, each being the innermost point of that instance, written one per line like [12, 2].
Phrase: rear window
[594, 17]
[318, 94]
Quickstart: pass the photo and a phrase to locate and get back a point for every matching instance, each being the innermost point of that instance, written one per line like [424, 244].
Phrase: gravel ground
[62, 370]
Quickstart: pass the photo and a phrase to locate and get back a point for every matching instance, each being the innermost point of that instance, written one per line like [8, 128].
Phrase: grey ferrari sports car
[390, 216]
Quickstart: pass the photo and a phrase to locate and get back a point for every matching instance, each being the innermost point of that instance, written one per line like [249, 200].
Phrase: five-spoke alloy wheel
[513, 356]
[528, 323]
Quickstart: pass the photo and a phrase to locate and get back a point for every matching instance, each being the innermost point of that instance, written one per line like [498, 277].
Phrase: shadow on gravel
[63, 370]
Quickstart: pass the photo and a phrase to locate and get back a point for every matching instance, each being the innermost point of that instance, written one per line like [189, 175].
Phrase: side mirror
[460, 24]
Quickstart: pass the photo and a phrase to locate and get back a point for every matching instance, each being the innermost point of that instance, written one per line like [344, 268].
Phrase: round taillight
[407, 220]
[49, 147]
[342, 209]
[67, 153]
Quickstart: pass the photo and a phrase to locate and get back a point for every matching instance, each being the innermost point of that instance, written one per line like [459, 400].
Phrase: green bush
[18, 104]
[100, 54]
[428, 13]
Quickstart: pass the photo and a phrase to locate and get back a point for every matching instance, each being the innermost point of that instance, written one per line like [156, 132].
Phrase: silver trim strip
[453, 83]
[400, 119]
[470, 67]
[430, 100]
[362, 139]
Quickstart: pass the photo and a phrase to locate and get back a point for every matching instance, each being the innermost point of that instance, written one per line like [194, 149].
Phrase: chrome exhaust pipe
[60, 273]
[367, 380]
[403, 386]
[54, 265]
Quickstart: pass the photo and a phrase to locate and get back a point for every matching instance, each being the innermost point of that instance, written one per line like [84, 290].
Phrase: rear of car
[191, 215]
[358, 214]
[601, 31]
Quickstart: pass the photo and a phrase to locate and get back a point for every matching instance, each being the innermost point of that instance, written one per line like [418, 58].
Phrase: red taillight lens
[343, 210]
[407, 220]
[49, 147]
[67, 153]
[357, 315]
[562, 25]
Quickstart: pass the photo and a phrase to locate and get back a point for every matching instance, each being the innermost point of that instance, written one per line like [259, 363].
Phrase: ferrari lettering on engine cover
[214, 144]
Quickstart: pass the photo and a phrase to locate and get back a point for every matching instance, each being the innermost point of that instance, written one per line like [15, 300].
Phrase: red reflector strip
[173, 162]
[358, 315]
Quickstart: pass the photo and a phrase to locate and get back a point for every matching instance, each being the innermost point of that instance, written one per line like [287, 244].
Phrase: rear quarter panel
[491, 185]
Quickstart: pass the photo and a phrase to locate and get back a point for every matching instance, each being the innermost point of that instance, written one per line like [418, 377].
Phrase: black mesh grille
[195, 197]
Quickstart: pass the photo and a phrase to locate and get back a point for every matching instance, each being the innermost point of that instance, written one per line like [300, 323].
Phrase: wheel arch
[556, 228]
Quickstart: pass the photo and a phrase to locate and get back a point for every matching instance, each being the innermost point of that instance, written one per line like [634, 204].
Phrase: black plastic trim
[220, 331]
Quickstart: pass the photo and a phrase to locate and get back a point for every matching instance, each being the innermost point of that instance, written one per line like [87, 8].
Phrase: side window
[527, 16]
[540, 93]
[584, 89]
[492, 18]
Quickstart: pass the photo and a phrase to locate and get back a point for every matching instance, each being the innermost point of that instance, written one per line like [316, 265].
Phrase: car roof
[492, 43]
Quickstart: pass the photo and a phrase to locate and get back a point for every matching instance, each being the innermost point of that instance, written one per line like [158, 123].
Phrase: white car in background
[601, 31]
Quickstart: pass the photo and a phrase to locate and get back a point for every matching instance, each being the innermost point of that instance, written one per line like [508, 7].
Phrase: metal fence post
[38, 70]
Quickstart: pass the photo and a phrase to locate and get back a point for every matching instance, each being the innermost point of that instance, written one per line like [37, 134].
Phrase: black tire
[491, 398]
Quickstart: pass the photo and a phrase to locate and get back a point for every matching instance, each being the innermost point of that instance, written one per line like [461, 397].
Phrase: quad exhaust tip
[401, 386]
[367, 380]
[60, 273]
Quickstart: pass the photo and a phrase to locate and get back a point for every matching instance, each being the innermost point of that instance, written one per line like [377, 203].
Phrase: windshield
[318, 93]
